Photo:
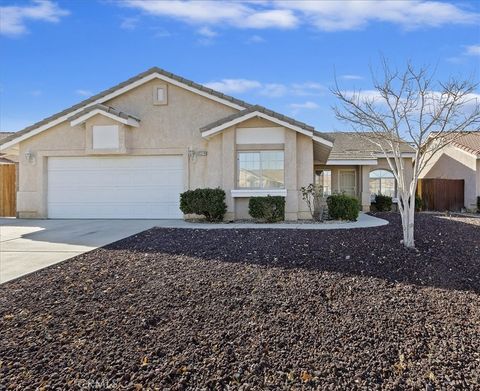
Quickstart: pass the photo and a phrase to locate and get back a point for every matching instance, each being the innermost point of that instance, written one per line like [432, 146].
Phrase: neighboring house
[129, 151]
[459, 160]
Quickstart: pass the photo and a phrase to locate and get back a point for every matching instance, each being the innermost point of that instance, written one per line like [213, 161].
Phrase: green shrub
[343, 207]
[207, 202]
[270, 208]
[418, 203]
[383, 203]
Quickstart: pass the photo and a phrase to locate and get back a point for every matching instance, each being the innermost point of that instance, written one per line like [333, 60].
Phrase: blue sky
[279, 54]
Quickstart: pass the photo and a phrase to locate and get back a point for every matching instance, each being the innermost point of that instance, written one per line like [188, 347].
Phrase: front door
[347, 182]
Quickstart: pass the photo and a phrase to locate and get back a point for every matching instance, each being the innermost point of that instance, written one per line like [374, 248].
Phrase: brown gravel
[252, 309]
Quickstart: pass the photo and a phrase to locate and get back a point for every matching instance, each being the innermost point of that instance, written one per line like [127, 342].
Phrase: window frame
[157, 87]
[316, 177]
[237, 179]
[395, 190]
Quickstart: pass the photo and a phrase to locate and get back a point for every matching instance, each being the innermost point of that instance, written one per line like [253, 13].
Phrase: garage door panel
[102, 195]
[115, 187]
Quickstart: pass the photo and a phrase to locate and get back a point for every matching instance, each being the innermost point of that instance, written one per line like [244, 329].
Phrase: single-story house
[459, 160]
[129, 151]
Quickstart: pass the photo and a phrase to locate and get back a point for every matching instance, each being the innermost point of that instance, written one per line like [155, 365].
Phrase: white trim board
[127, 121]
[114, 94]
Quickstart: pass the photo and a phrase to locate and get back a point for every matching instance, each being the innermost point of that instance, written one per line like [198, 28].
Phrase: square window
[160, 95]
[261, 170]
[105, 137]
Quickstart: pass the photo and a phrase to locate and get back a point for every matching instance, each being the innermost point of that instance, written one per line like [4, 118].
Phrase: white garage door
[115, 187]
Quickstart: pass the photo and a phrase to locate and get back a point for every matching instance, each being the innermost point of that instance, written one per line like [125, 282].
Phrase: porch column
[365, 189]
[228, 170]
[290, 158]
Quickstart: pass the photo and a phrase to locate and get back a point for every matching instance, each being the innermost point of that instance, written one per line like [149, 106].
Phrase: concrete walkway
[30, 245]
[364, 221]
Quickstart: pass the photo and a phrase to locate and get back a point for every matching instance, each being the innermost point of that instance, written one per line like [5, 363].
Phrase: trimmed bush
[343, 207]
[206, 202]
[270, 208]
[383, 203]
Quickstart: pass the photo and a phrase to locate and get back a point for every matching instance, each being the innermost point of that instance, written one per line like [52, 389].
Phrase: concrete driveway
[30, 245]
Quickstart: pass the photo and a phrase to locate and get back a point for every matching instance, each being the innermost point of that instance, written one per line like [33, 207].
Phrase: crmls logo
[102, 384]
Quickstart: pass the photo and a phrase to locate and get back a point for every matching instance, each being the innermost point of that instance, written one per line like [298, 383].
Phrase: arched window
[382, 182]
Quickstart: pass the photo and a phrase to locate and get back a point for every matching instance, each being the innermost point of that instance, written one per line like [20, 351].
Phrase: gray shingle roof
[268, 112]
[119, 86]
[353, 145]
[5, 134]
[106, 109]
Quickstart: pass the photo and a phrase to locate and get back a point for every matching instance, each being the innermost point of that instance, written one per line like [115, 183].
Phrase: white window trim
[238, 193]
[395, 197]
[156, 101]
[255, 151]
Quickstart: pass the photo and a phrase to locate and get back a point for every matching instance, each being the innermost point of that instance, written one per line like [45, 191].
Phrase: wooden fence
[8, 190]
[441, 194]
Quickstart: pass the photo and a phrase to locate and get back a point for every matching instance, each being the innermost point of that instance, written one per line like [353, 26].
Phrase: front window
[323, 179]
[382, 182]
[261, 170]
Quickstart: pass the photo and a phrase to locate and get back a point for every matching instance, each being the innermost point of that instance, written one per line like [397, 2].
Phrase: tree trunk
[408, 223]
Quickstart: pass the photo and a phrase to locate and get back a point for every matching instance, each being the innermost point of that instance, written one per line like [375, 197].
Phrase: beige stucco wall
[298, 150]
[165, 129]
[454, 163]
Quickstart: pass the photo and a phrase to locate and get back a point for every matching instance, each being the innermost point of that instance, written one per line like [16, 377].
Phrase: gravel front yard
[252, 309]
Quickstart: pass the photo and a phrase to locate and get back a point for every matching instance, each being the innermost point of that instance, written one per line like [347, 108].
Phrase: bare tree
[409, 106]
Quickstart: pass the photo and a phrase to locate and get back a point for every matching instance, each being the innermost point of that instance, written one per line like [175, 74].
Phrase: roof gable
[119, 89]
[262, 112]
[106, 111]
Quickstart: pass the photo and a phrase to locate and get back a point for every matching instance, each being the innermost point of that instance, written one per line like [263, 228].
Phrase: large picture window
[382, 182]
[261, 170]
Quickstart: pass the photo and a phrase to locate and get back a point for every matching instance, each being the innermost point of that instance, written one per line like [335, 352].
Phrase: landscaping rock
[184, 309]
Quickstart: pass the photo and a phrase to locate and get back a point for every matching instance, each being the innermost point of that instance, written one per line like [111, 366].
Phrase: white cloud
[472, 50]
[256, 39]
[274, 90]
[351, 77]
[234, 86]
[237, 14]
[36, 92]
[324, 15]
[308, 89]
[304, 106]
[129, 23]
[13, 19]
[357, 14]
[83, 92]
[207, 32]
